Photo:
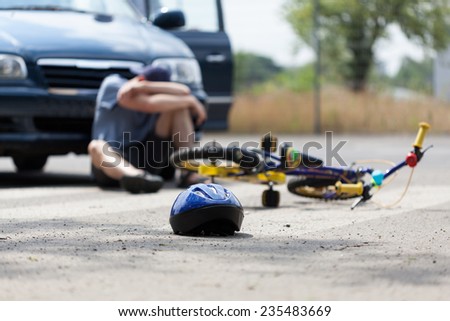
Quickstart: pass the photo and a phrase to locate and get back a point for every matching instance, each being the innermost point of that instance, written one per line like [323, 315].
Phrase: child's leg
[109, 162]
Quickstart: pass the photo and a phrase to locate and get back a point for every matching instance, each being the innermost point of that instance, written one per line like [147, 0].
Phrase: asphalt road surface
[62, 238]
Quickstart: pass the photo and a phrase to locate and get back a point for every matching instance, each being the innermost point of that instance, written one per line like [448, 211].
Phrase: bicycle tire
[190, 159]
[316, 188]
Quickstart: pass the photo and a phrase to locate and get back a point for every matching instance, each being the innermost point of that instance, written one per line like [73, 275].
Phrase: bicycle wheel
[316, 188]
[219, 161]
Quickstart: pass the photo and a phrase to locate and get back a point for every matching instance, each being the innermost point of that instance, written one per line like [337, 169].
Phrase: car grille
[81, 74]
[7, 124]
[66, 77]
[63, 125]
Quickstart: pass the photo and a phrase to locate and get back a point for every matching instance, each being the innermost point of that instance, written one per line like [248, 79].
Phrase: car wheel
[30, 163]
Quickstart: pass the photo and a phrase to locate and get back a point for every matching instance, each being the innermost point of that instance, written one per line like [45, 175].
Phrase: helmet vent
[199, 193]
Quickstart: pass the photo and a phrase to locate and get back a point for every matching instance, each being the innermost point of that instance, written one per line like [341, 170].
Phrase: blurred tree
[415, 75]
[350, 29]
[250, 69]
[295, 79]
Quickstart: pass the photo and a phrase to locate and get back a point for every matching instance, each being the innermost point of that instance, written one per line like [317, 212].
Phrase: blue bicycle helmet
[206, 209]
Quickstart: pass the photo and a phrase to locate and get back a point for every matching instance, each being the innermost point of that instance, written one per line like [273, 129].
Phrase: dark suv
[204, 33]
[54, 55]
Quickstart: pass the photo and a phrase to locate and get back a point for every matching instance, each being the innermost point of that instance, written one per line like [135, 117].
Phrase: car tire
[30, 163]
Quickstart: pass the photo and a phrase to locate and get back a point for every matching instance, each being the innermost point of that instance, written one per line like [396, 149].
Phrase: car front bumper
[36, 121]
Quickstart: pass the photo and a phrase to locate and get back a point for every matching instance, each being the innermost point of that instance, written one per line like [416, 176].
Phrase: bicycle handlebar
[412, 159]
[421, 135]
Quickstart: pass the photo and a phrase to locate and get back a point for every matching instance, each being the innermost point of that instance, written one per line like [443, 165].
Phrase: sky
[258, 26]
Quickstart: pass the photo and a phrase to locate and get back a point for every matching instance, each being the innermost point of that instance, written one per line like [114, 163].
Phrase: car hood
[56, 34]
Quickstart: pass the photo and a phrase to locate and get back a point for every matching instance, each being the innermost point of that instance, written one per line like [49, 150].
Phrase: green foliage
[294, 79]
[349, 30]
[415, 75]
[251, 69]
[258, 74]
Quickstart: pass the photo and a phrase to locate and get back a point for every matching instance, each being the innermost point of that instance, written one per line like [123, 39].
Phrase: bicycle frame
[263, 165]
[273, 162]
[347, 181]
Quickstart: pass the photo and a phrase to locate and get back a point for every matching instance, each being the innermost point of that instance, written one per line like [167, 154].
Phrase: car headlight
[182, 70]
[12, 67]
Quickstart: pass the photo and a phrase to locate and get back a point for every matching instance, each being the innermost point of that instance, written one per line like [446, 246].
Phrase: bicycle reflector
[377, 177]
[411, 159]
[293, 158]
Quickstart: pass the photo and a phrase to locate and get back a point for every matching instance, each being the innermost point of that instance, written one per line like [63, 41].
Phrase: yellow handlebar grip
[421, 134]
[354, 189]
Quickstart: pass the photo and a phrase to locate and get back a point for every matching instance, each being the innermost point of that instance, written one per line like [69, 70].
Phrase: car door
[205, 34]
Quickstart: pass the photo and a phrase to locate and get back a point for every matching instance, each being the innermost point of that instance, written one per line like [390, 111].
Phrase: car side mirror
[170, 19]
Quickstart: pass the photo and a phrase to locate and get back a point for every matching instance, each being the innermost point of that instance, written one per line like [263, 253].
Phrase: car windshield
[108, 7]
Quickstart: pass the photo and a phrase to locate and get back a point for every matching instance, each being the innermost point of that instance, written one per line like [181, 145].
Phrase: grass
[342, 111]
